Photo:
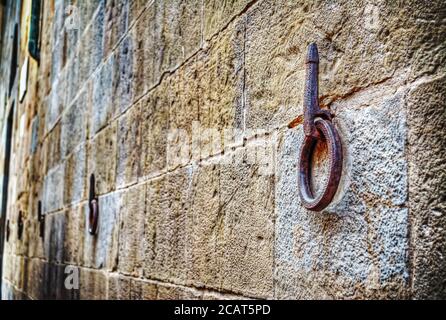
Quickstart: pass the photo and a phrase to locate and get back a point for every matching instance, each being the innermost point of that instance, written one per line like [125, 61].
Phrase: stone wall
[123, 87]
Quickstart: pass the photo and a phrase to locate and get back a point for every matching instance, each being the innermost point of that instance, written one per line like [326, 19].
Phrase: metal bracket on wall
[317, 126]
[41, 219]
[20, 225]
[8, 231]
[93, 214]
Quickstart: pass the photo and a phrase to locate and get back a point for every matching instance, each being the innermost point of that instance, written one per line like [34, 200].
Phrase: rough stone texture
[204, 217]
[125, 288]
[128, 147]
[245, 238]
[76, 176]
[74, 130]
[218, 14]
[143, 35]
[359, 246]
[122, 93]
[183, 113]
[166, 227]
[426, 115]
[101, 251]
[51, 149]
[221, 83]
[93, 285]
[73, 239]
[131, 232]
[180, 110]
[102, 106]
[55, 237]
[154, 126]
[102, 159]
[177, 33]
[53, 189]
[116, 23]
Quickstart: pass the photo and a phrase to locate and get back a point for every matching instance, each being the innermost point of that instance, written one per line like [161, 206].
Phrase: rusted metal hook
[317, 125]
[93, 214]
[41, 219]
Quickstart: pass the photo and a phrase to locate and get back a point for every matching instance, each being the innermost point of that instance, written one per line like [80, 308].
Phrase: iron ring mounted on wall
[317, 126]
[93, 213]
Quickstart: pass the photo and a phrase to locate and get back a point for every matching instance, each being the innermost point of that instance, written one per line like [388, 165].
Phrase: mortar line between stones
[108, 274]
[158, 174]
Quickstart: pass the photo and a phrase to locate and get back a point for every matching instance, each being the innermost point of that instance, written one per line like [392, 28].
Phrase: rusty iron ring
[317, 125]
[93, 214]
[41, 220]
[93, 217]
[326, 131]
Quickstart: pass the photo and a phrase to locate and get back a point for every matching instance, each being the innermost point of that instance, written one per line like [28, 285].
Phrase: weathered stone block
[116, 23]
[58, 20]
[93, 285]
[76, 176]
[177, 33]
[36, 243]
[58, 59]
[74, 235]
[102, 104]
[154, 130]
[171, 292]
[185, 95]
[51, 149]
[23, 223]
[132, 243]
[56, 103]
[205, 219]
[55, 229]
[143, 37]
[245, 225]
[74, 128]
[86, 12]
[427, 181]
[128, 147]
[36, 272]
[135, 8]
[53, 283]
[72, 34]
[96, 35]
[102, 159]
[125, 288]
[84, 59]
[101, 251]
[274, 64]
[221, 77]
[143, 290]
[357, 247]
[53, 189]
[119, 288]
[217, 15]
[73, 79]
[122, 93]
[166, 226]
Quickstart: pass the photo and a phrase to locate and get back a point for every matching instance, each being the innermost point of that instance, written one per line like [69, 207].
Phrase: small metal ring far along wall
[93, 214]
[317, 126]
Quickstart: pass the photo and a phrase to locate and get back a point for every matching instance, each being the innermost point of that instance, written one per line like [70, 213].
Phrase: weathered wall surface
[116, 95]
